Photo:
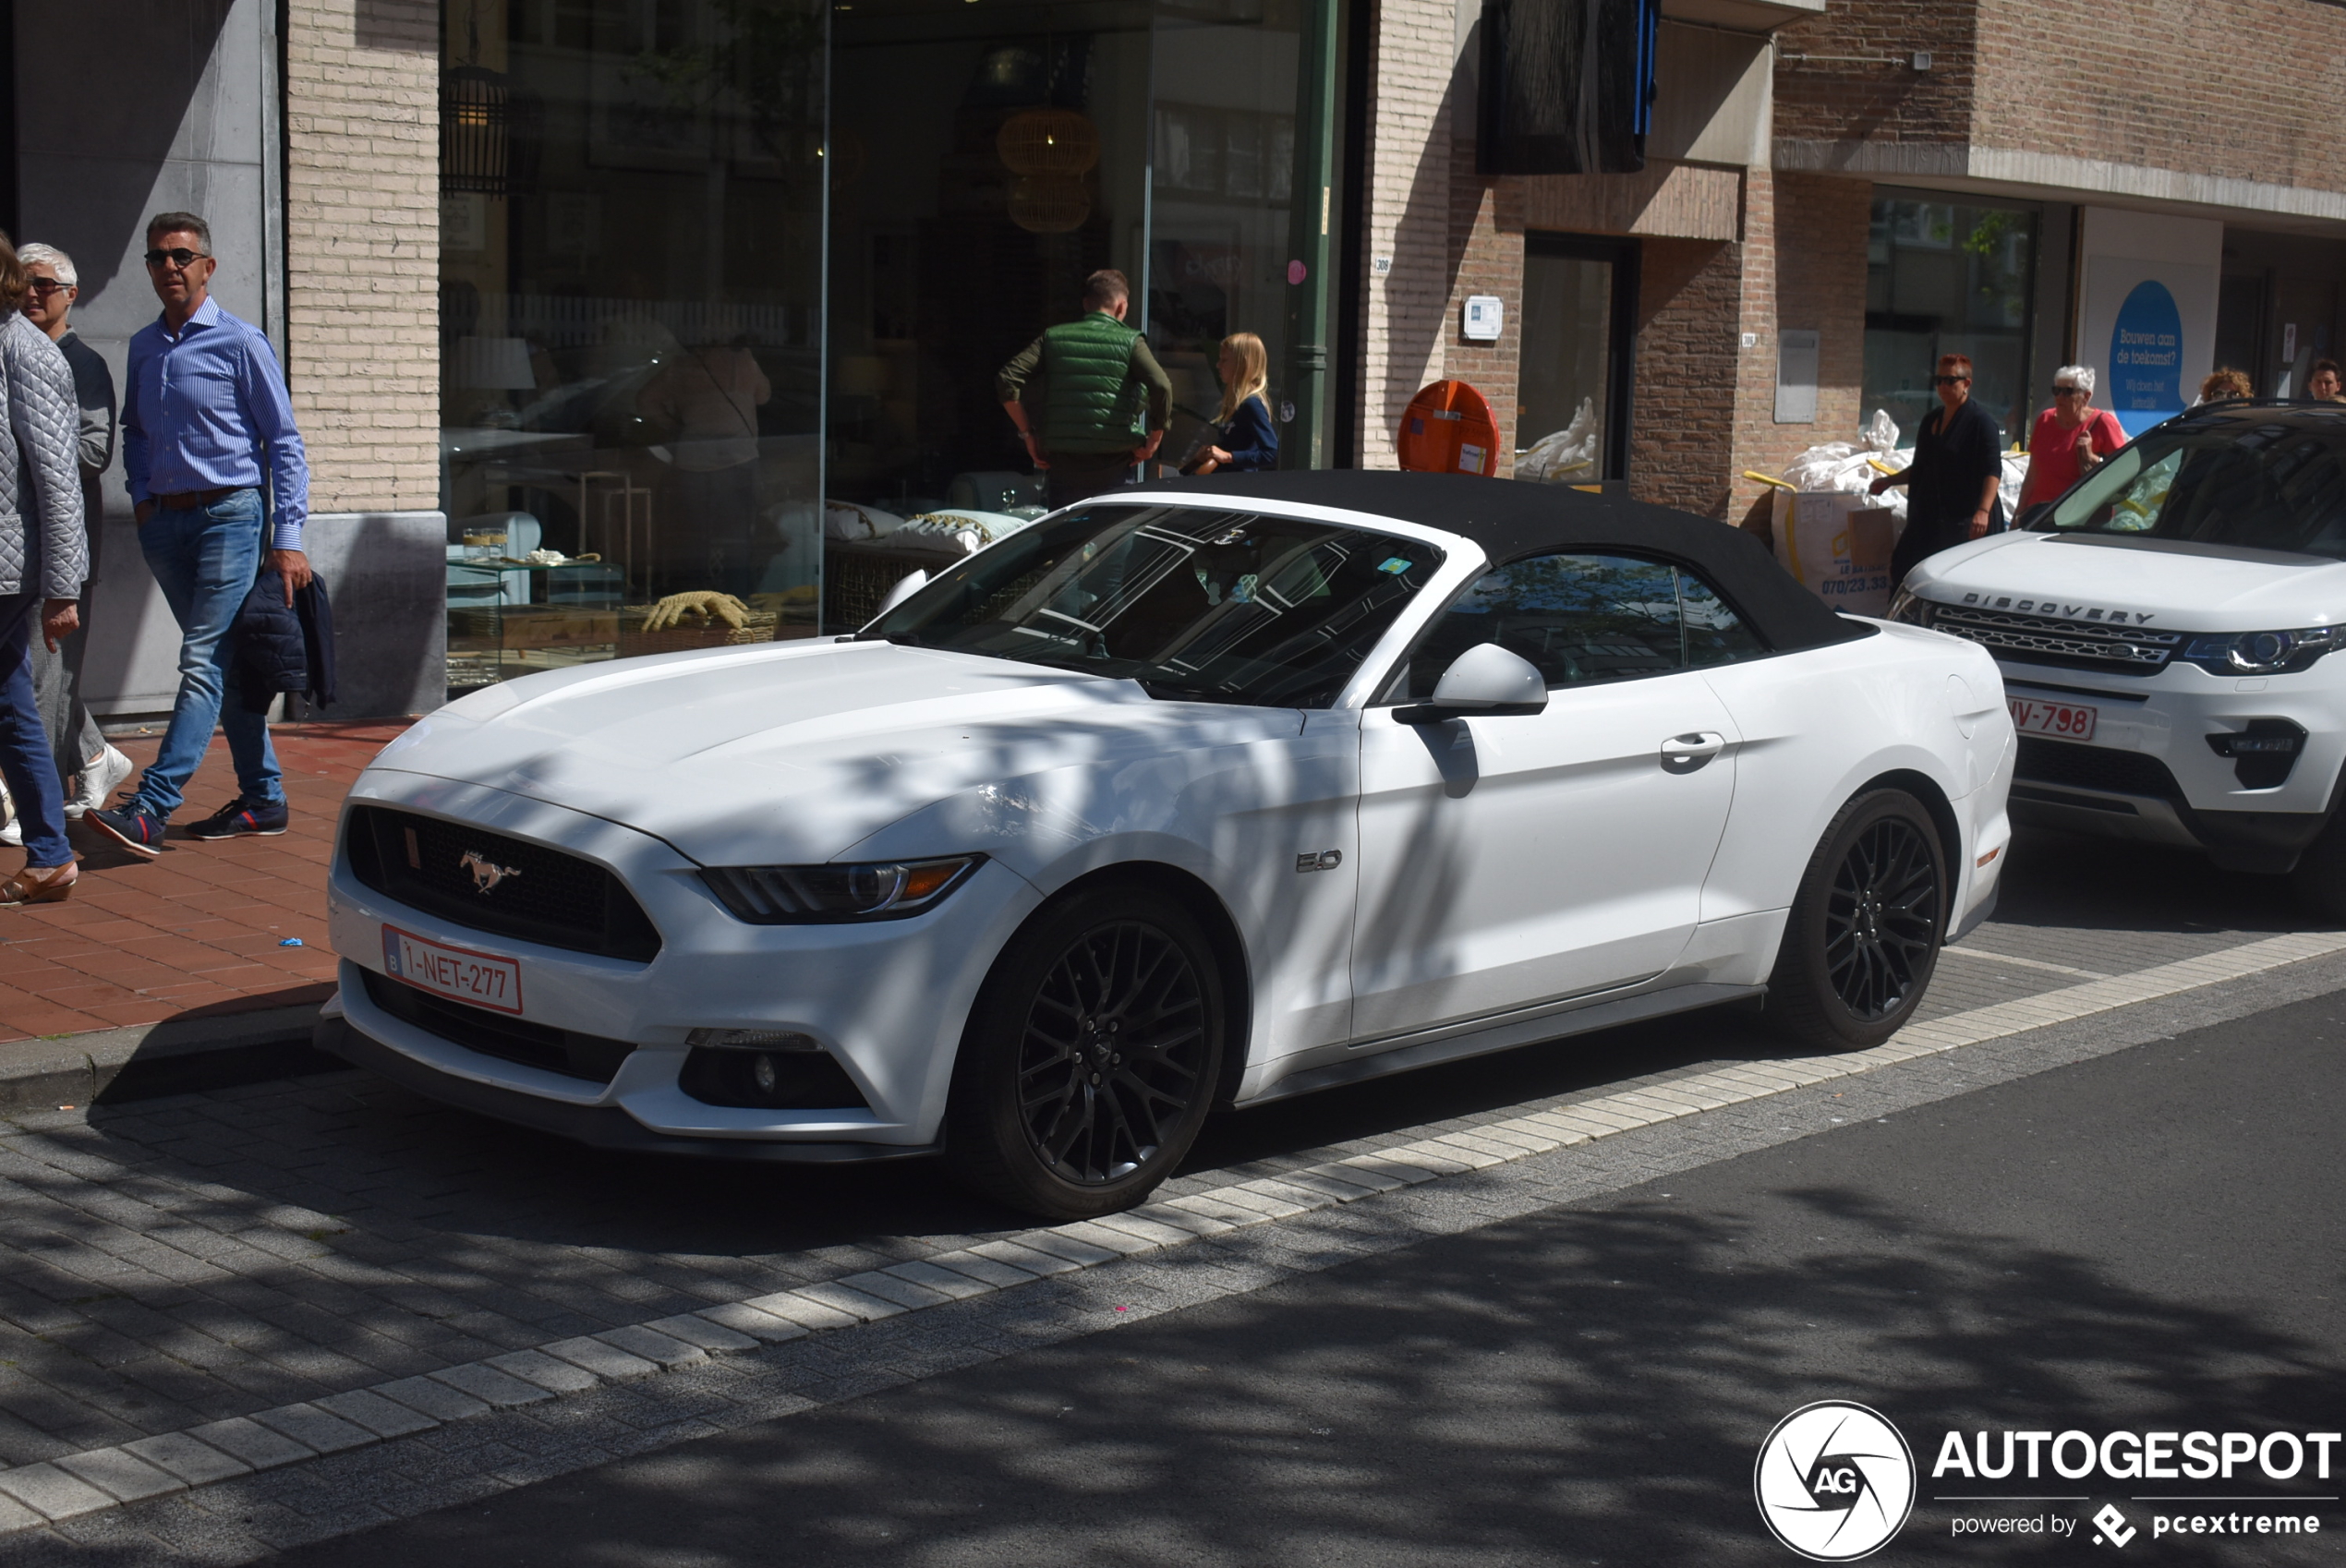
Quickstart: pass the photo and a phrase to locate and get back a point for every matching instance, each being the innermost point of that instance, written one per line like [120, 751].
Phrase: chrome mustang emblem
[486, 874]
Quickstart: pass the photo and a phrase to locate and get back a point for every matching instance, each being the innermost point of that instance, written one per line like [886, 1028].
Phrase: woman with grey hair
[2070, 438]
[44, 558]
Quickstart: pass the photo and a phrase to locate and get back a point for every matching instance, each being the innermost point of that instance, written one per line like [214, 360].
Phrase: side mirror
[1484, 681]
[905, 589]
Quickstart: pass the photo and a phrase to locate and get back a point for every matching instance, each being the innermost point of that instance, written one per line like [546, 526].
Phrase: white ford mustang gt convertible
[1193, 795]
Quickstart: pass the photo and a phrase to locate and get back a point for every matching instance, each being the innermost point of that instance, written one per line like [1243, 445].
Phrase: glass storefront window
[630, 319]
[1572, 385]
[1948, 278]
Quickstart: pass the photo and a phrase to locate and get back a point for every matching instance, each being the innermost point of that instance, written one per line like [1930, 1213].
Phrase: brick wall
[2246, 89]
[1414, 101]
[1817, 271]
[362, 249]
[1682, 425]
[1486, 233]
[1847, 75]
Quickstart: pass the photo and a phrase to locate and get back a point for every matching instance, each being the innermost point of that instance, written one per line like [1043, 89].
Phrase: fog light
[752, 1040]
[762, 1073]
[2262, 753]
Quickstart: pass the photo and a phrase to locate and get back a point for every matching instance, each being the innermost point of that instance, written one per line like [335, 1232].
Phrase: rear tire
[1866, 927]
[1090, 1060]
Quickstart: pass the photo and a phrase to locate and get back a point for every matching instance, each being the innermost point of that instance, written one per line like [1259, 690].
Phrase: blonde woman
[1250, 444]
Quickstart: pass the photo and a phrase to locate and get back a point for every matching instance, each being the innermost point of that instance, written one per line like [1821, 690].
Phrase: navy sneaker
[133, 826]
[241, 818]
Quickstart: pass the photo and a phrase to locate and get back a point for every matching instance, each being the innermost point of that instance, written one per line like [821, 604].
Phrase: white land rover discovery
[2172, 637]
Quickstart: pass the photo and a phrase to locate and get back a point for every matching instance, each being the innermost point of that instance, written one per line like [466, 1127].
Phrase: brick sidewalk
[197, 931]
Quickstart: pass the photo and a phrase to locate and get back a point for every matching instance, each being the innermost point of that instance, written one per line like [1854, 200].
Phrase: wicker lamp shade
[1048, 141]
[488, 133]
[1049, 204]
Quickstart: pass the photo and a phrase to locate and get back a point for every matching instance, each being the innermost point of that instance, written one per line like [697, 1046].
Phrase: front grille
[2044, 639]
[538, 894]
[2094, 768]
[588, 1057]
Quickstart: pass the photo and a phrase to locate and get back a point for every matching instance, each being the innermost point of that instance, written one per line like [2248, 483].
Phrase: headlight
[825, 894]
[1908, 606]
[2262, 653]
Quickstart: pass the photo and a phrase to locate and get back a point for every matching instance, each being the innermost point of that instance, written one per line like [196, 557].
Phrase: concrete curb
[175, 1056]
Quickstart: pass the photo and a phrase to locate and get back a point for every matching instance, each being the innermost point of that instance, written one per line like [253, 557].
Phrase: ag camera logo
[1836, 1481]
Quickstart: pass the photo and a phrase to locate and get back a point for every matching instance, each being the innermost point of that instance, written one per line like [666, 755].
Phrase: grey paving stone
[664, 1350]
[845, 1298]
[1118, 1241]
[891, 1287]
[741, 1318]
[984, 1270]
[385, 1418]
[1156, 1233]
[492, 1386]
[555, 1376]
[320, 1429]
[253, 1443]
[603, 1361]
[695, 1329]
[1026, 1258]
[804, 1310]
[1072, 1248]
[51, 1492]
[198, 1463]
[15, 1516]
[945, 1282]
[120, 1474]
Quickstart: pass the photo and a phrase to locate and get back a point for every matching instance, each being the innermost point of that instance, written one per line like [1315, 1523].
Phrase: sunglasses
[2065, 391]
[46, 286]
[1948, 381]
[182, 259]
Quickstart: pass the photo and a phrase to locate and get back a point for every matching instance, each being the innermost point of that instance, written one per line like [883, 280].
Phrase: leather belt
[195, 499]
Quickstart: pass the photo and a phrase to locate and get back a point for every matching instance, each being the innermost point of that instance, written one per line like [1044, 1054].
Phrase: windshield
[2277, 484]
[1196, 604]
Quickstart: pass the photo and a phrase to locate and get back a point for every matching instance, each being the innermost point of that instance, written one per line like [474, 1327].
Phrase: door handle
[1684, 753]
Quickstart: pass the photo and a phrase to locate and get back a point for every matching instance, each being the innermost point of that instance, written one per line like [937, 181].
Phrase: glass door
[1572, 384]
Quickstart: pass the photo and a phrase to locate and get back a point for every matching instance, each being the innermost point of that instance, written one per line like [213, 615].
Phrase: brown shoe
[41, 884]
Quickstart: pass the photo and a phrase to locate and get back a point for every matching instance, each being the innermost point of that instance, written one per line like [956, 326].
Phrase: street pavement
[179, 1265]
[2147, 1241]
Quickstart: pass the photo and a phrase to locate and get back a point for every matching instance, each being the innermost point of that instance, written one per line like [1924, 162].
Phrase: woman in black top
[1250, 444]
[1951, 484]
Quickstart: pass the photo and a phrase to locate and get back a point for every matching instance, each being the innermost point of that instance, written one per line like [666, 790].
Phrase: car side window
[1582, 618]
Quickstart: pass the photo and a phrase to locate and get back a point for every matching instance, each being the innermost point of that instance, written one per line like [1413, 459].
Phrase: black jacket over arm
[279, 649]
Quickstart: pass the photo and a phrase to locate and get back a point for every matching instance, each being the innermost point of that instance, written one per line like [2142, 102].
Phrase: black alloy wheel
[1091, 1059]
[1862, 939]
[1882, 920]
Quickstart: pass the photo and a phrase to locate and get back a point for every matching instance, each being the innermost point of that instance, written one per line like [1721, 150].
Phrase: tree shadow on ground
[1583, 1386]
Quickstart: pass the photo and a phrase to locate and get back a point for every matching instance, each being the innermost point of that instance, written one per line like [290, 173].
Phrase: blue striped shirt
[207, 410]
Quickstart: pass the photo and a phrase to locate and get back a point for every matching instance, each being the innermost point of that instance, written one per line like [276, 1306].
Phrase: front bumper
[887, 1001]
[2151, 775]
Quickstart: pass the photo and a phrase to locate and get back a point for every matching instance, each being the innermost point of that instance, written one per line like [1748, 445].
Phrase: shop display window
[1949, 278]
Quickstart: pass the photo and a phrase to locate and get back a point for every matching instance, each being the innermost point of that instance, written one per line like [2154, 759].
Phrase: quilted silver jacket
[42, 539]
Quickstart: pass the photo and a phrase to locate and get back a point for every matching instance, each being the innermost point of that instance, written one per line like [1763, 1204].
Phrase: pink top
[2052, 451]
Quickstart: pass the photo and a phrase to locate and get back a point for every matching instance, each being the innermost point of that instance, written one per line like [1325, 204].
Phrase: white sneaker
[12, 834]
[99, 779]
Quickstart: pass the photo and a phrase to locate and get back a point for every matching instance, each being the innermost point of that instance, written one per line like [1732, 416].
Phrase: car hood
[2171, 584]
[796, 753]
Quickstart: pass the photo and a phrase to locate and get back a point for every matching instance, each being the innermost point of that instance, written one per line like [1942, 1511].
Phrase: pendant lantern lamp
[1048, 142]
[488, 133]
[1049, 204]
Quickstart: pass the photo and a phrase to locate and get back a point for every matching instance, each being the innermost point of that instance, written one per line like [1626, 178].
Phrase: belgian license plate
[482, 979]
[2067, 721]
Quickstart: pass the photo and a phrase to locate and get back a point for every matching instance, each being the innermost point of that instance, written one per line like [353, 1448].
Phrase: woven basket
[857, 575]
[633, 640]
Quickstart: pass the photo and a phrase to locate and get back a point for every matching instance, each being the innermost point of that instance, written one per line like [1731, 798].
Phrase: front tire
[1091, 1059]
[1866, 927]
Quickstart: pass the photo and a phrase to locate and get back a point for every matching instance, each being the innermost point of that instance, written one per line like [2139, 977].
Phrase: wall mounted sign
[1485, 315]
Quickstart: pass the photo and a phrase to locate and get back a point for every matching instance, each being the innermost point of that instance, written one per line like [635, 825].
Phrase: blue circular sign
[2147, 359]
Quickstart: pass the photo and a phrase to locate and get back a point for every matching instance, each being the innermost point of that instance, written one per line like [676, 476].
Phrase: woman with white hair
[2070, 438]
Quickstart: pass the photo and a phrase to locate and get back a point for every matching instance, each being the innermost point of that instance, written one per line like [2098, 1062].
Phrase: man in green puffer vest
[1087, 396]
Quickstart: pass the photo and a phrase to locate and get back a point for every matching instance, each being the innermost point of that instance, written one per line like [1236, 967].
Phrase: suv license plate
[482, 979]
[2067, 721]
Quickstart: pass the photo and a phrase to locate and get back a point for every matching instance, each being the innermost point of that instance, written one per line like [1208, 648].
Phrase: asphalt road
[2148, 1240]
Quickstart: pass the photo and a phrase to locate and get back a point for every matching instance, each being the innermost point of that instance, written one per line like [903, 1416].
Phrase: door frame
[1621, 348]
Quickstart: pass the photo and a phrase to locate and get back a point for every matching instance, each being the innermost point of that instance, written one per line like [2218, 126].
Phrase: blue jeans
[25, 758]
[204, 561]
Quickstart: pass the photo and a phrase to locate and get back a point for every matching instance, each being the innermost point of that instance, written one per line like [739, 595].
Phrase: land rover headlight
[2262, 653]
[1909, 607]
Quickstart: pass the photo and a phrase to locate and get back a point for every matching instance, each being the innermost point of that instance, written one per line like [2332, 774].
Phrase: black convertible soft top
[1512, 519]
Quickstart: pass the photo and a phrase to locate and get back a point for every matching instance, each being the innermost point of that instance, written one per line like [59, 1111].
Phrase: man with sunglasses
[1951, 484]
[206, 426]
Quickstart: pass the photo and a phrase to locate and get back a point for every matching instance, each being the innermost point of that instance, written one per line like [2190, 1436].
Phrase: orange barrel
[1448, 429]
